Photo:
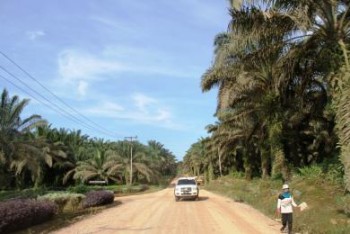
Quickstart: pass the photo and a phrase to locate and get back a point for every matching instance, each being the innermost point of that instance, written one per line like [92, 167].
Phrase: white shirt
[286, 204]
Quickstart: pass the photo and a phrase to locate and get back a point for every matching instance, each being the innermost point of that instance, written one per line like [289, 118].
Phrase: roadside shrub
[22, 213]
[22, 194]
[98, 198]
[64, 200]
[313, 172]
[344, 204]
[132, 189]
[237, 174]
[335, 173]
[80, 188]
[143, 187]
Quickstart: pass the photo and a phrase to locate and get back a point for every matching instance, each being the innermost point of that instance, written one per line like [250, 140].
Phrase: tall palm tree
[15, 148]
[102, 166]
[161, 159]
[249, 85]
[140, 162]
[324, 35]
[277, 53]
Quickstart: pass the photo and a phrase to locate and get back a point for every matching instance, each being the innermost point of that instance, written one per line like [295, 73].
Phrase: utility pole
[131, 139]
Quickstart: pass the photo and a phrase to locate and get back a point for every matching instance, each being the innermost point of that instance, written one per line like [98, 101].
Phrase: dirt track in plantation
[158, 212]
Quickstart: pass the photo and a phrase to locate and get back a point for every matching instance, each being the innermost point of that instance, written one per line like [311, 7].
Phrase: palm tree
[248, 79]
[17, 151]
[323, 36]
[102, 166]
[141, 164]
[276, 55]
[161, 159]
[57, 155]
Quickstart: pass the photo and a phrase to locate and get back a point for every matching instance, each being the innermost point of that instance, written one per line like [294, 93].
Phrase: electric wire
[54, 95]
[29, 94]
[67, 114]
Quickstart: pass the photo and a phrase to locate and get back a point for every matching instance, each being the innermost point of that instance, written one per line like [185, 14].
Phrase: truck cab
[187, 188]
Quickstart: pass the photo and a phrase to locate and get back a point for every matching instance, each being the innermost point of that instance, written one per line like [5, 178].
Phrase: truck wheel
[177, 199]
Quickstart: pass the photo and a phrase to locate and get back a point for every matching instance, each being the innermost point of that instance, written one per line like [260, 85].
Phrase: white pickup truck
[186, 187]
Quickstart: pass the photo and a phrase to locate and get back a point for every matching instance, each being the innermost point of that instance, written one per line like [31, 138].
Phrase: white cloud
[79, 65]
[106, 109]
[76, 65]
[112, 24]
[32, 35]
[82, 88]
[82, 70]
[142, 101]
[139, 108]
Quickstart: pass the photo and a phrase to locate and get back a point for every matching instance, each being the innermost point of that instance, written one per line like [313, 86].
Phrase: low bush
[313, 172]
[98, 198]
[22, 213]
[143, 187]
[80, 188]
[344, 204]
[129, 189]
[64, 200]
[21, 194]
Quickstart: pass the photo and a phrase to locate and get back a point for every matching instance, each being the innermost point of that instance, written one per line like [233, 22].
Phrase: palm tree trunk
[345, 158]
[265, 163]
[279, 163]
[220, 168]
[247, 164]
[211, 171]
[342, 107]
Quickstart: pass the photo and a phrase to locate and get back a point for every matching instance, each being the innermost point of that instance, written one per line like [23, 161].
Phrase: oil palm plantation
[323, 39]
[248, 82]
[277, 69]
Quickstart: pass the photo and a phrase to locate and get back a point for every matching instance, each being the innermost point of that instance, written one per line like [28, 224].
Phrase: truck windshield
[181, 182]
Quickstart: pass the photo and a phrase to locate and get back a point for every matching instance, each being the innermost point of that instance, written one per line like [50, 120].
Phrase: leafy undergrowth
[22, 213]
[65, 201]
[25, 193]
[116, 189]
[328, 208]
[65, 219]
[98, 198]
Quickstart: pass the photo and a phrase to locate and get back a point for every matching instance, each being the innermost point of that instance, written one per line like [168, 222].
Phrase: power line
[23, 90]
[54, 95]
[69, 115]
[57, 98]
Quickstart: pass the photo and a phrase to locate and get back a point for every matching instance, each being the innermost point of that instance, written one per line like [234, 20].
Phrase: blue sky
[130, 67]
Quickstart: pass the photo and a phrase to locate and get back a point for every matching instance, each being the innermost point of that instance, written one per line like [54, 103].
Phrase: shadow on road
[203, 198]
[191, 200]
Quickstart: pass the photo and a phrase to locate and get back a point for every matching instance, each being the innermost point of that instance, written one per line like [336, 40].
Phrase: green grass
[327, 202]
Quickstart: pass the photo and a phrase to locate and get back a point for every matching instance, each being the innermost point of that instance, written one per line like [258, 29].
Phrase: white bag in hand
[303, 206]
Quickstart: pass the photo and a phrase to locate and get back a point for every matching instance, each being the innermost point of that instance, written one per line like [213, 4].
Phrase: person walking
[285, 204]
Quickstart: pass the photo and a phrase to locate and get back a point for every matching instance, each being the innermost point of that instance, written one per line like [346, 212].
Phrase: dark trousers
[287, 219]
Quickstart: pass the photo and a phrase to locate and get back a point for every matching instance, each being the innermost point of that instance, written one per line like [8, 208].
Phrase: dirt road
[159, 213]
